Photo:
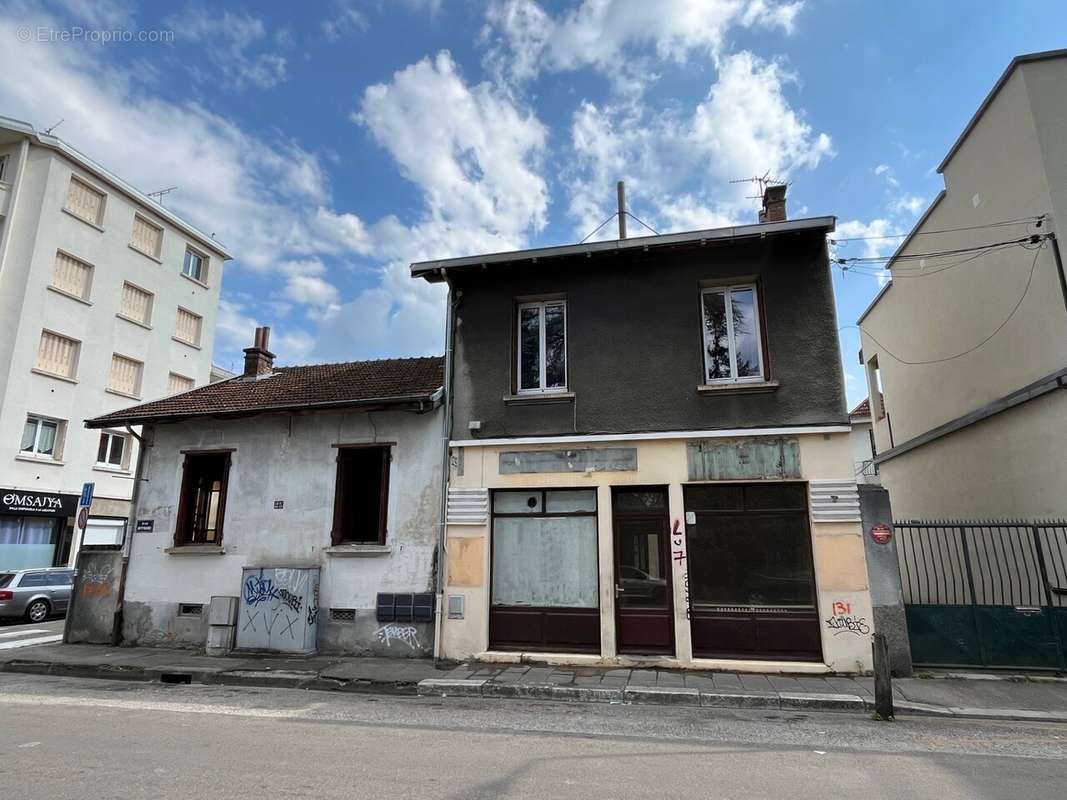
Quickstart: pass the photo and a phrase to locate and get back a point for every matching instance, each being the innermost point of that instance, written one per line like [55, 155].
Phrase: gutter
[446, 437]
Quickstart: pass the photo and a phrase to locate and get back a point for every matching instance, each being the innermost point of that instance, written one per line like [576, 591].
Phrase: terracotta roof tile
[389, 381]
[862, 410]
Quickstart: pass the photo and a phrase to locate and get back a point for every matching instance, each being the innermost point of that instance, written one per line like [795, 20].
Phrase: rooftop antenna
[621, 190]
[48, 131]
[159, 194]
[762, 181]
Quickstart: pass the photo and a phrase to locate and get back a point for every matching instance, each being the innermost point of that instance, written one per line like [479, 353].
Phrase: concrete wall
[634, 341]
[35, 228]
[290, 458]
[840, 568]
[91, 617]
[883, 568]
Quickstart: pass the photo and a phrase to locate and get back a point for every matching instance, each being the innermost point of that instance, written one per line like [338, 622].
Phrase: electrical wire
[1001, 224]
[969, 350]
[1035, 238]
[871, 271]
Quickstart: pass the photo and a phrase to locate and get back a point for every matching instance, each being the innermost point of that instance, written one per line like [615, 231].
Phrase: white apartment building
[106, 298]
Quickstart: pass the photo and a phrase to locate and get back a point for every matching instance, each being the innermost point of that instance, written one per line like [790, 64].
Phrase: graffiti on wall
[259, 590]
[842, 620]
[405, 634]
[678, 556]
[313, 606]
[96, 581]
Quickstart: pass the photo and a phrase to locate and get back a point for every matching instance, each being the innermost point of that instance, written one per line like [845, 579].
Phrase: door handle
[619, 590]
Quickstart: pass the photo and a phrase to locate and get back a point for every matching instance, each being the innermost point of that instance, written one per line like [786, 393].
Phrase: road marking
[23, 632]
[28, 642]
[307, 712]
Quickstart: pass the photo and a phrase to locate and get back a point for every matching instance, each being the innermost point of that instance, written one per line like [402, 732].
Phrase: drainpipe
[144, 442]
[446, 438]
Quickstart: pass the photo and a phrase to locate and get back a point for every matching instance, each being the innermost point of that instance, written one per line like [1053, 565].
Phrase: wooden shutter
[178, 383]
[125, 375]
[187, 327]
[57, 354]
[136, 303]
[84, 201]
[146, 236]
[71, 275]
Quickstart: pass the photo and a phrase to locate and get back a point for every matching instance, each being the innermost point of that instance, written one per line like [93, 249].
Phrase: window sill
[187, 344]
[136, 322]
[123, 394]
[39, 460]
[112, 470]
[196, 550]
[358, 550]
[46, 374]
[83, 220]
[546, 397]
[149, 256]
[738, 388]
[57, 290]
[201, 284]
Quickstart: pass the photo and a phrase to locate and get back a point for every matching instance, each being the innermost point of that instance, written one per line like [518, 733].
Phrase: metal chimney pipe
[622, 209]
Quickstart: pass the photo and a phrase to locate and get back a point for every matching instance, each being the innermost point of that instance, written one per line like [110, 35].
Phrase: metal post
[1048, 598]
[974, 598]
[883, 680]
[622, 209]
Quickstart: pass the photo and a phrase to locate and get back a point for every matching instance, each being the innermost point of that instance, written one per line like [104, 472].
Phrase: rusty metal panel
[747, 458]
[594, 459]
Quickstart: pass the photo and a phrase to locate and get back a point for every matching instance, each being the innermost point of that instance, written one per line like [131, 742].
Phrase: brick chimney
[258, 359]
[773, 204]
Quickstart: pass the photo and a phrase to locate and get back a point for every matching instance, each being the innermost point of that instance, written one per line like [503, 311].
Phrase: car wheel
[38, 611]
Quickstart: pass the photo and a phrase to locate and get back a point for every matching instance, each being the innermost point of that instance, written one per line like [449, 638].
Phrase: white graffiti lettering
[406, 634]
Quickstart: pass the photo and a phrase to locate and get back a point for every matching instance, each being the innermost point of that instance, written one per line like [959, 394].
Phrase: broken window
[542, 347]
[362, 495]
[203, 499]
[733, 352]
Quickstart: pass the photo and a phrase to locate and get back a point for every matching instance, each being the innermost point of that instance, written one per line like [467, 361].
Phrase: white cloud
[679, 164]
[228, 44]
[99, 14]
[907, 204]
[881, 169]
[234, 329]
[348, 19]
[523, 38]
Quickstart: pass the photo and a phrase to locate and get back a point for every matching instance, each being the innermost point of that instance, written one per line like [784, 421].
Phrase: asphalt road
[71, 738]
[15, 633]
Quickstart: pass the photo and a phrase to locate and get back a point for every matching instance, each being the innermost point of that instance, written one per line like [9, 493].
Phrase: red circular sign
[881, 533]
[83, 517]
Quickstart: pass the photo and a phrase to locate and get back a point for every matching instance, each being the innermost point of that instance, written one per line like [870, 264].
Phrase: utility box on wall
[279, 609]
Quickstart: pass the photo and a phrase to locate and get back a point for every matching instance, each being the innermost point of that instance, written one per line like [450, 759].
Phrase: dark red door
[644, 618]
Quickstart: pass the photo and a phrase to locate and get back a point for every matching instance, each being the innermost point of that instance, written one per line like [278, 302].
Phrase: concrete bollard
[883, 681]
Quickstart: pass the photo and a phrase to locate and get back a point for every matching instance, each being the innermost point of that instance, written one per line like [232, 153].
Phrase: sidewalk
[947, 695]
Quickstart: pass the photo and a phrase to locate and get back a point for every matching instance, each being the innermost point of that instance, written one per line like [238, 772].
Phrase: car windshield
[5, 579]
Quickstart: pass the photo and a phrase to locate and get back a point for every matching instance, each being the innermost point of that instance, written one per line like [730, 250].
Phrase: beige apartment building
[966, 348]
[106, 298]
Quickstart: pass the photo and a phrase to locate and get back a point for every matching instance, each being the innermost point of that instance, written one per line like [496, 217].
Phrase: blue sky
[331, 143]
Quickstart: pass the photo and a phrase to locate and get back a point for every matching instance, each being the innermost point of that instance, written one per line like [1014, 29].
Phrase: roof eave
[432, 270]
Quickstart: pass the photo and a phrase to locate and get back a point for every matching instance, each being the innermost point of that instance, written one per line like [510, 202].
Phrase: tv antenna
[762, 181]
[159, 194]
[48, 131]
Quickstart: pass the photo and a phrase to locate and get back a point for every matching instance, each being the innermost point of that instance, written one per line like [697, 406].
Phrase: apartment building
[106, 297]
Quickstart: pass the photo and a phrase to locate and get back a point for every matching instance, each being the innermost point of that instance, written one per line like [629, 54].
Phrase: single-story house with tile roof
[288, 509]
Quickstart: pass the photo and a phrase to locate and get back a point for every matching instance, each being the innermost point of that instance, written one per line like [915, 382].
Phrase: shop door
[644, 618]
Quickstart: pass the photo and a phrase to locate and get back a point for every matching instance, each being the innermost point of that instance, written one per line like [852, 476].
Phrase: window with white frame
[541, 364]
[176, 384]
[71, 275]
[146, 237]
[41, 437]
[136, 304]
[733, 351]
[195, 265]
[85, 202]
[125, 377]
[111, 452]
[187, 327]
[57, 355]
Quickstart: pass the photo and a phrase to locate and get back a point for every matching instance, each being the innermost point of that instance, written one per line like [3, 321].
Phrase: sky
[329, 144]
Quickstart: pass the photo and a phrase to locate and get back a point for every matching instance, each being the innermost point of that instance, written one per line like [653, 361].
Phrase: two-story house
[649, 455]
[966, 347]
[105, 297]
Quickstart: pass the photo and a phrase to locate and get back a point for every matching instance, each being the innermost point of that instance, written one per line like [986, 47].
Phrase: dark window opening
[203, 499]
[362, 495]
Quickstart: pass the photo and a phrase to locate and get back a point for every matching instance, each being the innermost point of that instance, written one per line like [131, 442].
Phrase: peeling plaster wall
[289, 458]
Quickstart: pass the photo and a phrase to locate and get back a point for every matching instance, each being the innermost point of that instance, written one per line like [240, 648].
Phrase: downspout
[446, 438]
[144, 443]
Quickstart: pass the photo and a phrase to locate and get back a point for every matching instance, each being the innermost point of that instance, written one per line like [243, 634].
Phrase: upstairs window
[176, 384]
[195, 266]
[71, 275]
[125, 377]
[733, 351]
[136, 304]
[111, 452]
[542, 347]
[57, 355]
[85, 202]
[147, 237]
[202, 504]
[187, 327]
[40, 437]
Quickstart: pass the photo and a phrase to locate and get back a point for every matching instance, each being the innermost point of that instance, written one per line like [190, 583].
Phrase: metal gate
[985, 593]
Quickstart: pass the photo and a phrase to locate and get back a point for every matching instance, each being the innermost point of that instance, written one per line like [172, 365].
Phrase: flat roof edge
[421, 269]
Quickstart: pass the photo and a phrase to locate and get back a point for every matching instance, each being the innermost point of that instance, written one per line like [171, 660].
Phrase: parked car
[35, 594]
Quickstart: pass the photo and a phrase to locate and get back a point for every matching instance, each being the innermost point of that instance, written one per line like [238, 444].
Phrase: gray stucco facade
[634, 346]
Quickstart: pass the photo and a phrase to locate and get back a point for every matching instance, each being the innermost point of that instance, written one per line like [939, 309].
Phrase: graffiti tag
[406, 634]
[842, 624]
[294, 601]
[96, 581]
[313, 606]
[678, 554]
[259, 590]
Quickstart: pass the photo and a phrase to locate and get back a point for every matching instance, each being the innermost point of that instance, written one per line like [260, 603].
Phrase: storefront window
[27, 542]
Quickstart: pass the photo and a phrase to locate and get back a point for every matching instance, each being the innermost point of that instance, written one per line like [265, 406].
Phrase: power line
[969, 350]
[1001, 224]
[921, 272]
[1034, 238]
